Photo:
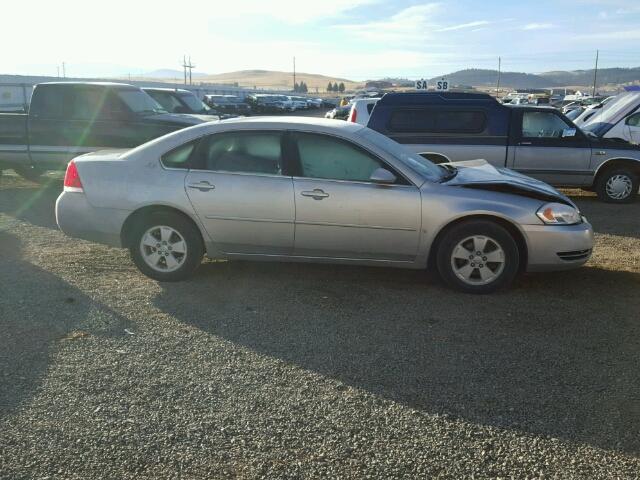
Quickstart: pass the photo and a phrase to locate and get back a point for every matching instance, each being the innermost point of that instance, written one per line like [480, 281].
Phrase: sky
[354, 39]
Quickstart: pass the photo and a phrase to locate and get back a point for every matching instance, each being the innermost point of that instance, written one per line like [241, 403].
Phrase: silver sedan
[314, 190]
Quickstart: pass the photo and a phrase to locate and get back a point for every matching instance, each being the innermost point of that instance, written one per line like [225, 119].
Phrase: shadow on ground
[38, 311]
[552, 356]
[32, 203]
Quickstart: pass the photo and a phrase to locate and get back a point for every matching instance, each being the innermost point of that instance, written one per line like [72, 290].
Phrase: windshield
[139, 102]
[427, 169]
[193, 102]
[218, 100]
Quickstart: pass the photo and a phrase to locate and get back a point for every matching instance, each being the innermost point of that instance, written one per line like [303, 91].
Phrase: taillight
[353, 114]
[72, 181]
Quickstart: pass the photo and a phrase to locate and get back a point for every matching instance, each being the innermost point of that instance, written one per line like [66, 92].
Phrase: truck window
[437, 121]
[543, 125]
[86, 103]
[48, 102]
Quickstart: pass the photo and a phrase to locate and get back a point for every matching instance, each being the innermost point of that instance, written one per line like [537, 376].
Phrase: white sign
[421, 84]
[442, 85]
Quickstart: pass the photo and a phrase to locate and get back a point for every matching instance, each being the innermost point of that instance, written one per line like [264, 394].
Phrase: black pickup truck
[71, 118]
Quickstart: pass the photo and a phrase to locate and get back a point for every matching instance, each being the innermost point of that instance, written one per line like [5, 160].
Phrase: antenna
[499, 71]
[294, 73]
[595, 75]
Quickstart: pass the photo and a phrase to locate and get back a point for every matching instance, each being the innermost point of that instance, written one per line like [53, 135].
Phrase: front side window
[543, 125]
[139, 102]
[247, 152]
[166, 100]
[322, 156]
[634, 120]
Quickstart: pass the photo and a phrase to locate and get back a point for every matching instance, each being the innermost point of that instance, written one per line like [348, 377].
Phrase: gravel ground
[311, 371]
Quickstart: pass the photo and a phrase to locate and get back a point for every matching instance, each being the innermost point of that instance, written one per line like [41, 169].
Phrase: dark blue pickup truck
[71, 118]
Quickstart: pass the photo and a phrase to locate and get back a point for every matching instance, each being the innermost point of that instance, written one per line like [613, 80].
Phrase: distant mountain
[481, 78]
[585, 77]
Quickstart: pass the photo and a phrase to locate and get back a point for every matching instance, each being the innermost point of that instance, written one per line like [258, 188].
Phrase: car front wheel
[166, 247]
[478, 256]
[618, 185]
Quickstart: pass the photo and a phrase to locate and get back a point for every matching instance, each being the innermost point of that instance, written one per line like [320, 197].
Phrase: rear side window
[179, 157]
[247, 152]
[370, 107]
[49, 102]
[437, 121]
[86, 103]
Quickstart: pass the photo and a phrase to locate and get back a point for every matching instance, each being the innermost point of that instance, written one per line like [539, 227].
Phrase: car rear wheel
[478, 256]
[166, 247]
[618, 185]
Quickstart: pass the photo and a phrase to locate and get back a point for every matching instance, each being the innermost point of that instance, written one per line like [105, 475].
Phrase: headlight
[559, 214]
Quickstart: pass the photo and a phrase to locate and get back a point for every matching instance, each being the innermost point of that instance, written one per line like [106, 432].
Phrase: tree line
[334, 87]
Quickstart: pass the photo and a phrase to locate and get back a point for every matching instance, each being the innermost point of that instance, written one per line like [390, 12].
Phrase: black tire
[622, 172]
[498, 236]
[35, 175]
[185, 228]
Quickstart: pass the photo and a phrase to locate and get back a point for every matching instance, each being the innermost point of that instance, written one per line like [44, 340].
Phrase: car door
[632, 122]
[550, 149]
[340, 213]
[240, 194]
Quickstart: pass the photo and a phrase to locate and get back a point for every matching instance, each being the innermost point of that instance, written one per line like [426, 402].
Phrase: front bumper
[553, 247]
[76, 217]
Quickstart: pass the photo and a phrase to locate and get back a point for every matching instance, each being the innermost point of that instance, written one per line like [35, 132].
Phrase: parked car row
[66, 119]
[600, 153]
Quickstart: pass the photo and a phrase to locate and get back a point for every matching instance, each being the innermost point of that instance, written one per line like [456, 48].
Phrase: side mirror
[382, 175]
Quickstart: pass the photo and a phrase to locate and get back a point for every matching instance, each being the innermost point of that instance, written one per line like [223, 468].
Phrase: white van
[361, 110]
[618, 118]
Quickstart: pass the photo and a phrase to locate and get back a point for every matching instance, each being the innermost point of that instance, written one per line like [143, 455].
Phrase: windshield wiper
[451, 172]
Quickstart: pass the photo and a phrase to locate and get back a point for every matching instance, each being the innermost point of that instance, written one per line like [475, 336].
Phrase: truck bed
[13, 129]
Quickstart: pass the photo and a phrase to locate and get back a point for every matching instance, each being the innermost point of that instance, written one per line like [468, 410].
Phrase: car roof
[283, 123]
[154, 89]
[95, 84]
[430, 98]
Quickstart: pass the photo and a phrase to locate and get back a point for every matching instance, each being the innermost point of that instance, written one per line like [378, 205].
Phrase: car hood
[482, 175]
[185, 119]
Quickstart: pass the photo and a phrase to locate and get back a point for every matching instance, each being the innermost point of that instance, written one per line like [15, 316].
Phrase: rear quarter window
[437, 121]
[179, 156]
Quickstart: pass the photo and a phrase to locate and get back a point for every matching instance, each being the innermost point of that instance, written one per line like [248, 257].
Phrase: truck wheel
[35, 175]
[478, 256]
[166, 247]
[618, 185]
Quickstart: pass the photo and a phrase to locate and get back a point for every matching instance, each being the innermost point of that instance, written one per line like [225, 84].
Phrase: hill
[479, 77]
[267, 79]
[585, 77]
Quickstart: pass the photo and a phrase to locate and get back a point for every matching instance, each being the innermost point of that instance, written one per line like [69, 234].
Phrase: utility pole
[499, 71]
[186, 65]
[294, 73]
[64, 71]
[595, 75]
[58, 68]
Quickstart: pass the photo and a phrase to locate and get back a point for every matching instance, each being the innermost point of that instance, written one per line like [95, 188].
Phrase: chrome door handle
[203, 186]
[316, 194]
[600, 152]
[524, 143]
